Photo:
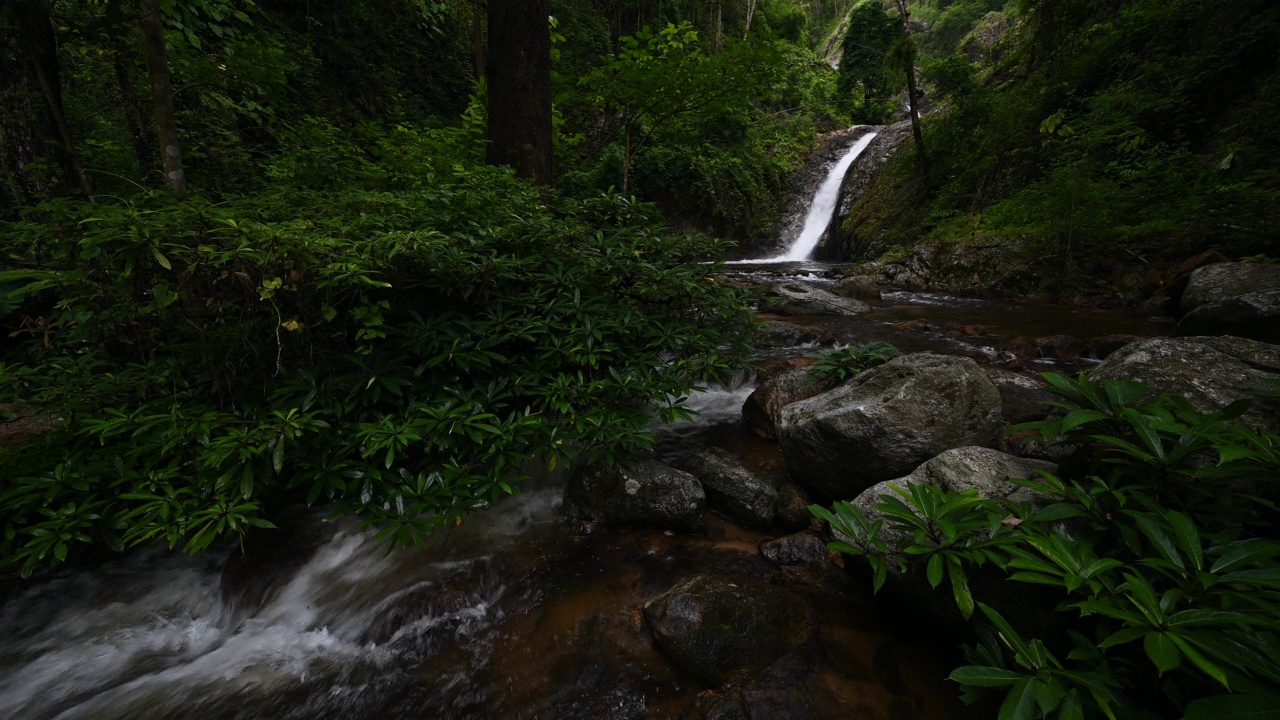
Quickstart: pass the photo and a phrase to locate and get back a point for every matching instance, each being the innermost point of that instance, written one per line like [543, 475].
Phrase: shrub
[399, 352]
[837, 365]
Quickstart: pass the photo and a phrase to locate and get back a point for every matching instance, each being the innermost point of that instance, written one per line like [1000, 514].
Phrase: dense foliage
[1064, 134]
[1162, 550]
[401, 351]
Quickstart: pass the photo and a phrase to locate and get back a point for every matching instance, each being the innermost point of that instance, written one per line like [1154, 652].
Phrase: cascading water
[822, 209]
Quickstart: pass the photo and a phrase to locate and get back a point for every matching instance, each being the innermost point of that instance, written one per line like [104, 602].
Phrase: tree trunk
[913, 94]
[151, 25]
[719, 22]
[141, 134]
[477, 36]
[751, 13]
[519, 80]
[33, 143]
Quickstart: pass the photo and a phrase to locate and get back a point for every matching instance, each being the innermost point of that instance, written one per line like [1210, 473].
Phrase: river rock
[1061, 347]
[763, 408]
[1211, 372]
[645, 493]
[795, 298]
[1022, 397]
[959, 469]
[858, 287]
[1254, 315]
[1212, 283]
[886, 421]
[784, 334]
[798, 549]
[718, 629]
[793, 507]
[731, 489]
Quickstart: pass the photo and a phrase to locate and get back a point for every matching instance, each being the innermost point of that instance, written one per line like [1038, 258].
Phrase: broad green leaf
[979, 676]
[1234, 707]
[1162, 651]
[1020, 703]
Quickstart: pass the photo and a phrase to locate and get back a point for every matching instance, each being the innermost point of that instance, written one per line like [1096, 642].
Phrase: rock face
[718, 629]
[793, 507]
[731, 489]
[645, 493]
[859, 287]
[798, 549]
[960, 469]
[795, 298]
[1254, 315]
[1213, 283]
[886, 421]
[763, 408]
[1022, 398]
[1212, 372]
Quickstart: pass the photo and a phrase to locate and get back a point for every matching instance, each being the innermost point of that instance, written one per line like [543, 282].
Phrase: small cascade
[821, 210]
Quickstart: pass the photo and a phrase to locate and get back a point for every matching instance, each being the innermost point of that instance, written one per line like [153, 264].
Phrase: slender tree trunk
[751, 13]
[719, 22]
[477, 36]
[141, 133]
[519, 80]
[913, 94]
[33, 142]
[53, 97]
[151, 25]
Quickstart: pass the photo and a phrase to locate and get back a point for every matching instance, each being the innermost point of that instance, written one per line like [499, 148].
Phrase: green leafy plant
[835, 366]
[1166, 561]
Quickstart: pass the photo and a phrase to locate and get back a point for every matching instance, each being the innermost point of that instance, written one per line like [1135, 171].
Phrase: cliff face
[842, 241]
[831, 147]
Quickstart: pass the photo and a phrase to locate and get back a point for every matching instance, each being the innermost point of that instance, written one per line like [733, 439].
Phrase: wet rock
[719, 629]
[729, 704]
[960, 469]
[442, 607]
[1211, 372]
[886, 421]
[1022, 348]
[799, 299]
[793, 507]
[858, 287]
[645, 493]
[784, 334]
[798, 549]
[731, 489]
[1254, 315]
[1061, 347]
[1158, 306]
[1022, 397]
[764, 405]
[1220, 281]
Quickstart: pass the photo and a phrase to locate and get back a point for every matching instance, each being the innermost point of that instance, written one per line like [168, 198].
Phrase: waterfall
[821, 210]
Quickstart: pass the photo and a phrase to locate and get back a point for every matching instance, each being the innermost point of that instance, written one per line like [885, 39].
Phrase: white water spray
[821, 209]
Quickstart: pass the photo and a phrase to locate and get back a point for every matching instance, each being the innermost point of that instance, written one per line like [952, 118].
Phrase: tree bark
[477, 36]
[141, 133]
[151, 26]
[913, 94]
[751, 13]
[519, 80]
[34, 141]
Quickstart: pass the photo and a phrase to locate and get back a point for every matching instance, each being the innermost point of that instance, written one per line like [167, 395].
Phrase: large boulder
[1254, 315]
[731, 489]
[794, 298]
[1212, 283]
[1022, 397]
[886, 421]
[719, 629]
[793, 507]
[1211, 372]
[960, 469]
[645, 493]
[858, 287]
[763, 408]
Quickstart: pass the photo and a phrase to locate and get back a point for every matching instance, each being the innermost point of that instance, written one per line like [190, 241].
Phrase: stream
[509, 615]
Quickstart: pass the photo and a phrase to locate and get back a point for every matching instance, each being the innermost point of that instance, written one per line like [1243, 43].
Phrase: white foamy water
[821, 210]
[151, 636]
